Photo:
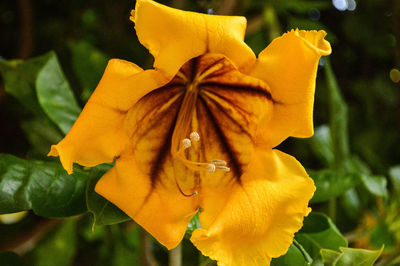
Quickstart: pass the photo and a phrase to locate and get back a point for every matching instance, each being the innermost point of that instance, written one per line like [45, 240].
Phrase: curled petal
[258, 220]
[162, 210]
[98, 136]
[289, 66]
[174, 36]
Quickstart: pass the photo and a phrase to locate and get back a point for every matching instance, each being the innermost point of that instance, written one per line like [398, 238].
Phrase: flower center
[183, 123]
[198, 129]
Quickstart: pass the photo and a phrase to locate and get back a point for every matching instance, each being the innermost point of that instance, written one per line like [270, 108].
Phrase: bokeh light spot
[343, 5]
[340, 4]
[395, 75]
[314, 14]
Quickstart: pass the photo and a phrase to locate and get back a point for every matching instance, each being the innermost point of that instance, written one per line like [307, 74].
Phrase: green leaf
[329, 257]
[350, 257]
[331, 183]
[11, 259]
[60, 248]
[103, 211]
[19, 79]
[43, 187]
[376, 185]
[351, 203]
[321, 144]
[394, 174]
[292, 257]
[338, 119]
[41, 134]
[361, 257]
[88, 64]
[40, 85]
[318, 233]
[193, 224]
[55, 95]
[355, 164]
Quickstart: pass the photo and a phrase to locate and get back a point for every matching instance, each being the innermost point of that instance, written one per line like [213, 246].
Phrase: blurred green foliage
[62, 50]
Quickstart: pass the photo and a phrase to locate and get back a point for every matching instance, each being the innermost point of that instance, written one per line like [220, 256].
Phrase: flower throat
[180, 141]
[198, 129]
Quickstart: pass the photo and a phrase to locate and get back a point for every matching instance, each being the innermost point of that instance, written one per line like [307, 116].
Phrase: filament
[180, 142]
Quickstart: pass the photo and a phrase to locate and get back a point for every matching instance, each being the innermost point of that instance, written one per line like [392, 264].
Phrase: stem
[332, 209]
[338, 119]
[254, 24]
[270, 17]
[26, 32]
[226, 7]
[306, 256]
[175, 256]
[146, 249]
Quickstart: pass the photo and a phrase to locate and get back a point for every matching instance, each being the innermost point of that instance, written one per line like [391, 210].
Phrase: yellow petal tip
[132, 17]
[53, 151]
[315, 40]
[67, 164]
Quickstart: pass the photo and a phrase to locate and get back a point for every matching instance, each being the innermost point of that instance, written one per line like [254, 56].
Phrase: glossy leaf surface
[43, 187]
[318, 233]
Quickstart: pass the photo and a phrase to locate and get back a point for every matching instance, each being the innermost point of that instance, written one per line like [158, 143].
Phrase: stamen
[223, 168]
[194, 136]
[186, 143]
[198, 166]
[219, 162]
[211, 168]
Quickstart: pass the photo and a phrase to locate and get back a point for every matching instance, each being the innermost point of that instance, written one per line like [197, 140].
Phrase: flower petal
[289, 66]
[161, 210]
[97, 135]
[261, 215]
[174, 36]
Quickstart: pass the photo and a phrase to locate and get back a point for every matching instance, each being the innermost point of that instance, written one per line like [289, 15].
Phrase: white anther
[211, 168]
[219, 162]
[194, 136]
[186, 143]
[223, 168]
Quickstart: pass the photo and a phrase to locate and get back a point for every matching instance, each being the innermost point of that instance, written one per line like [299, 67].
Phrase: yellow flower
[197, 132]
